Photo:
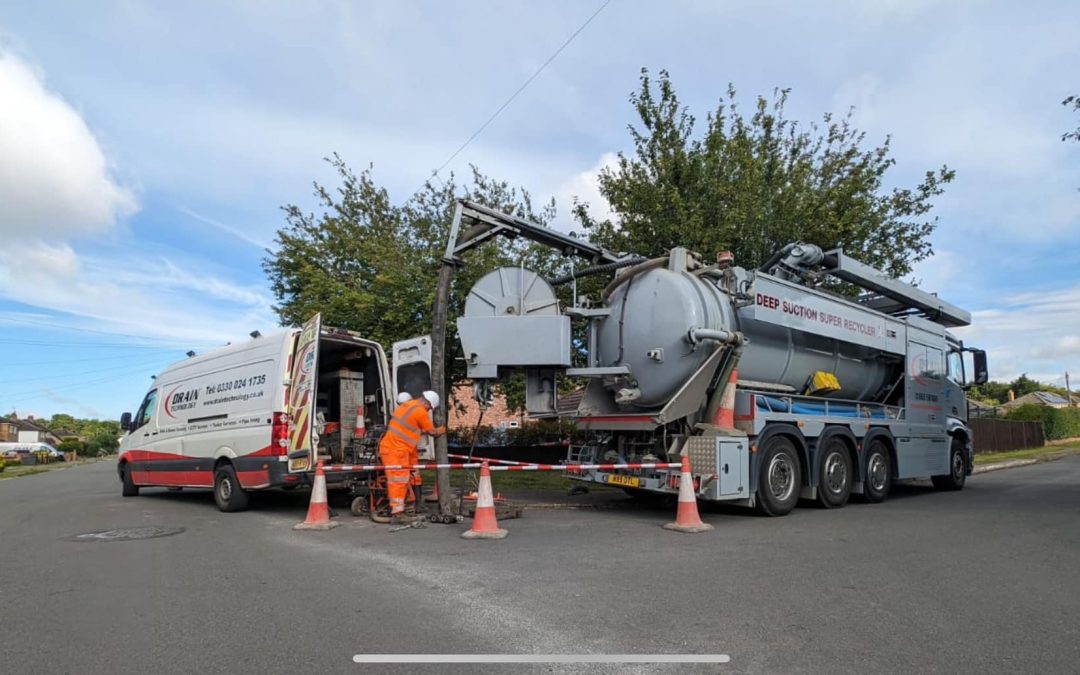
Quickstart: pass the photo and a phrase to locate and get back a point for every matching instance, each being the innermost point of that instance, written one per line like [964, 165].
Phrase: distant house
[1046, 398]
[464, 411]
[65, 435]
[9, 433]
[27, 431]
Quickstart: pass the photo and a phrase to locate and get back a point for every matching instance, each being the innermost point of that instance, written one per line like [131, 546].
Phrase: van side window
[146, 410]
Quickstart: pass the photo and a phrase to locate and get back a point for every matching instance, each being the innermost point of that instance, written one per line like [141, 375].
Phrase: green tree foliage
[752, 184]
[102, 436]
[1074, 103]
[371, 266]
[1058, 423]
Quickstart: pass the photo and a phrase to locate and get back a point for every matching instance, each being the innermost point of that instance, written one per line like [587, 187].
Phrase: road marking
[541, 658]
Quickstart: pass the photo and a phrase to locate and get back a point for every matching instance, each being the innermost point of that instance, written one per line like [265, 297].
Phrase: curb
[1008, 464]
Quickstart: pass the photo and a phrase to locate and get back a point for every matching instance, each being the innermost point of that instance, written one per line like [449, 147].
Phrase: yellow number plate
[625, 481]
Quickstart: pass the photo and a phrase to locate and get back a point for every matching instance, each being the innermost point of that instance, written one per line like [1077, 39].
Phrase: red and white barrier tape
[348, 468]
[489, 460]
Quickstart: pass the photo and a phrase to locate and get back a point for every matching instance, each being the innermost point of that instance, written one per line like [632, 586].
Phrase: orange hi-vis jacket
[409, 421]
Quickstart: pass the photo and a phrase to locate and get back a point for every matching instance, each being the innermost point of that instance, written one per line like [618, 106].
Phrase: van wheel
[779, 478]
[228, 495]
[834, 475]
[129, 488]
[957, 476]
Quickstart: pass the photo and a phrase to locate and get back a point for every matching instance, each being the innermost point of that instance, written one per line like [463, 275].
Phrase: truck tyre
[957, 476]
[834, 474]
[228, 495]
[878, 474]
[779, 478]
[129, 488]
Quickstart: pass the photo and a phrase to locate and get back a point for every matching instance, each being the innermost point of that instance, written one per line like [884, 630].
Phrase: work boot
[401, 519]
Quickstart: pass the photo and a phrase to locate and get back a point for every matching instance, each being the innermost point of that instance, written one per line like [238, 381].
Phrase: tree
[371, 266]
[1074, 102]
[753, 184]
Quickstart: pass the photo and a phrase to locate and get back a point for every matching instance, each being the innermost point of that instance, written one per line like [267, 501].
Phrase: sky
[146, 148]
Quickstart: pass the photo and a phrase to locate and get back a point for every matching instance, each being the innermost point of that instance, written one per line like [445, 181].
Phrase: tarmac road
[982, 580]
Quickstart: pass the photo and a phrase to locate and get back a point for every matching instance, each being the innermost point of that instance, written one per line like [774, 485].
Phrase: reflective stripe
[405, 423]
[395, 479]
[411, 441]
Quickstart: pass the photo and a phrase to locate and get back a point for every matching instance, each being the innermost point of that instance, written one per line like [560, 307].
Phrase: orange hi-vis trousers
[397, 480]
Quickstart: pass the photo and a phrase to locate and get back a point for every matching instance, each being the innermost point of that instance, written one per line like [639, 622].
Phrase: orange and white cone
[725, 414]
[318, 515]
[484, 525]
[434, 495]
[687, 518]
[358, 428]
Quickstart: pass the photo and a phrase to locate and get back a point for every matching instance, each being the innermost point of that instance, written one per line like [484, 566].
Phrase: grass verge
[1045, 453]
[19, 470]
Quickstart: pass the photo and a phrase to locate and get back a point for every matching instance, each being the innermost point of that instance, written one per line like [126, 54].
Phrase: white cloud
[156, 298]
[1035, 332]
[585, 187]
[54, 178]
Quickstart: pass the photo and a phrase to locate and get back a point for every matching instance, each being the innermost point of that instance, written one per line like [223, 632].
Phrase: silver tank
[656, 310]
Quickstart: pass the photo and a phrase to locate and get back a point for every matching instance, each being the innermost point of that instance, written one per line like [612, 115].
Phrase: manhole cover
[128, 534]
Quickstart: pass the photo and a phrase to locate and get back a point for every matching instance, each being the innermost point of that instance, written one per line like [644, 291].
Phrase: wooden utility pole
[438, 380]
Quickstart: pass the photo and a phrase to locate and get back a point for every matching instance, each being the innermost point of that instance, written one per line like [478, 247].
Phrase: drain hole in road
[127, 534]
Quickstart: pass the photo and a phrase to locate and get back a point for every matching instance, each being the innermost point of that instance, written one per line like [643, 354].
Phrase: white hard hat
[432, 398]
[403, 397]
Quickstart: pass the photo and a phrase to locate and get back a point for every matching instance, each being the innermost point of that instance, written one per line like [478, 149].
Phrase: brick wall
[464, 410]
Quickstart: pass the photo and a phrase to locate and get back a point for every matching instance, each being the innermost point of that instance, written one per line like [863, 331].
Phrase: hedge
[1057, 422]
[531, 433]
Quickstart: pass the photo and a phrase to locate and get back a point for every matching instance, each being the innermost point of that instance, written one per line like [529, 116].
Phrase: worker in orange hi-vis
[398, 447]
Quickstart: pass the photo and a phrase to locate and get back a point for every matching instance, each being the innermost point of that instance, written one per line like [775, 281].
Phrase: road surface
[982, 580]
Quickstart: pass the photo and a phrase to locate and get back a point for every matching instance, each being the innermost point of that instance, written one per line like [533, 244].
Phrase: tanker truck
[812, 377]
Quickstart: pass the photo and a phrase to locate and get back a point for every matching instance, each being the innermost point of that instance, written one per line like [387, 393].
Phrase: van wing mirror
[125, 421]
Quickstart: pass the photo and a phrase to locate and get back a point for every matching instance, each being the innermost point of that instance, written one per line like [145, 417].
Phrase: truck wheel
[779, 479]
[228, 495]
[957, 476]
[129, 488]
[834, 474]
[878, 473]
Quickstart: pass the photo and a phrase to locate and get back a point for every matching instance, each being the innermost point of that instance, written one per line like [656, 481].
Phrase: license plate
[625, 481]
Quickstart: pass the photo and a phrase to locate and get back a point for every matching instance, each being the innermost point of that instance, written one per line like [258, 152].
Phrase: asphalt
[981, 580]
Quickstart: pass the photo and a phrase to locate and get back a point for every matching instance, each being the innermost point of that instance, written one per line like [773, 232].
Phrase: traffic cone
[725, 414]
[318, 515]
[484, 525]
[358, 429]
[687, 518]
[434, 496]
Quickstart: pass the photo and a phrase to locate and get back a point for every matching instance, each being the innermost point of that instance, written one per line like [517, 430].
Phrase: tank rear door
[302, 381]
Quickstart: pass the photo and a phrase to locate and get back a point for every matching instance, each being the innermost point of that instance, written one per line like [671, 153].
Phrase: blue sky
[157, 141]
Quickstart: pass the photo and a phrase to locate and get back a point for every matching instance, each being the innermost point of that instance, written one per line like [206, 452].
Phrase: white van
[247, 416]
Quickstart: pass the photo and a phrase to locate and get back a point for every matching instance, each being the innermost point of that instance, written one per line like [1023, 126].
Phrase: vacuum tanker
[814, 376]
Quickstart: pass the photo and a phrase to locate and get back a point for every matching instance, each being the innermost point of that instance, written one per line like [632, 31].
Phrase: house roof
[1041, 398]
[22, 425]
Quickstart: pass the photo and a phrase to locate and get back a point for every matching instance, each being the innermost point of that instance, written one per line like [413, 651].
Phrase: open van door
[412, 366]
[302, 379]
[411, 360]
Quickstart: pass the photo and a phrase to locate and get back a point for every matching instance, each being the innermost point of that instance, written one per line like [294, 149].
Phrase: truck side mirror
[125, 421]
[982, 373]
